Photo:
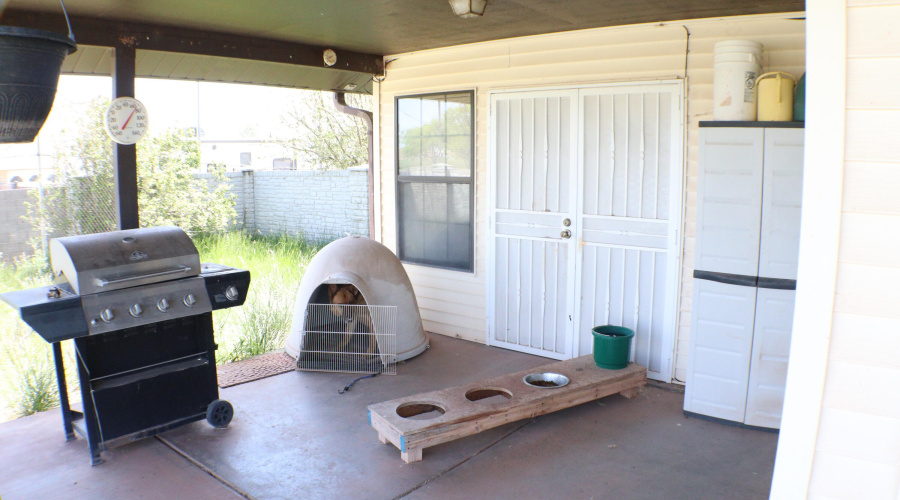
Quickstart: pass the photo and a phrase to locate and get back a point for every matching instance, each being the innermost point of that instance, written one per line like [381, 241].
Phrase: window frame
[429, 179]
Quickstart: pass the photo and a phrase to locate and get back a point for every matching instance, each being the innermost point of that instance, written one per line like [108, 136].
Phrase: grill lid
[102, 262]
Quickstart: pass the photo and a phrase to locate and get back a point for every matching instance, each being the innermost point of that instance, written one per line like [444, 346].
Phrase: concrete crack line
[204, 468]
[454, 466]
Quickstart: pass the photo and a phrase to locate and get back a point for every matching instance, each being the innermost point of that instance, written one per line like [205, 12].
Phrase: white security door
[629, 217]
[585, 212]
[532, 258]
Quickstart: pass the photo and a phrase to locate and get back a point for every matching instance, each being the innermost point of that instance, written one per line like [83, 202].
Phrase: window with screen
[435, 179]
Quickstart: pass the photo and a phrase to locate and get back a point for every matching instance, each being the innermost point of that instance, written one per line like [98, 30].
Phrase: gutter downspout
[341, 105]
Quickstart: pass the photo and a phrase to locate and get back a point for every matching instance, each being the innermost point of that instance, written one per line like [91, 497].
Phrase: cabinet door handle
[726, 278]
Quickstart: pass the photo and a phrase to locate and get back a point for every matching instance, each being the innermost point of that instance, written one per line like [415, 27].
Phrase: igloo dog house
[378, 275]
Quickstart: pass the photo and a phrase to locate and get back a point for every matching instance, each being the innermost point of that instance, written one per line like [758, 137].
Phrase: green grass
[276, 265]
[24, 273]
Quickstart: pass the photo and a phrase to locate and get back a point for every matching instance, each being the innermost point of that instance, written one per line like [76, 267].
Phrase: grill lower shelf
[165, 396]
[141, 381]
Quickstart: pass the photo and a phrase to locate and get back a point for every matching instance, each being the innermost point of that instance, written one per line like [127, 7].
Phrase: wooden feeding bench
[416, 422]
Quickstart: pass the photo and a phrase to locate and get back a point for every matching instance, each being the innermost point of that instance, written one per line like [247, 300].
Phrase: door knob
[566, 234]
[567, 222]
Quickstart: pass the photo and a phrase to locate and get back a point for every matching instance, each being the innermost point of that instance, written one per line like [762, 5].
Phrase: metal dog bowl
[546, 380]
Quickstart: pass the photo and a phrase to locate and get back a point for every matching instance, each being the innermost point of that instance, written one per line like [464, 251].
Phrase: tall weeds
[26, 368]
[36, 385]
[276, 265]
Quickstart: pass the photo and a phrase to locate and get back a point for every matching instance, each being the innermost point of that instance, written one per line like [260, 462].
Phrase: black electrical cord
[346, 389]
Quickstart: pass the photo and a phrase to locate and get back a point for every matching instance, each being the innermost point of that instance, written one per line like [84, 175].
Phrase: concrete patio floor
[294, 436]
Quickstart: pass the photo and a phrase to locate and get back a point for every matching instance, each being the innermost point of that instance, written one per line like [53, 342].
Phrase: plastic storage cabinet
[748, 231]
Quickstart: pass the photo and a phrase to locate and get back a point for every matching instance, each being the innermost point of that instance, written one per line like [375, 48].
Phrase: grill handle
[102, 282]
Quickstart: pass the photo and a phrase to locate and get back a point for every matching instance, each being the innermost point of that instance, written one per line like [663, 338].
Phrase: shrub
[168, 192]
[37, 386]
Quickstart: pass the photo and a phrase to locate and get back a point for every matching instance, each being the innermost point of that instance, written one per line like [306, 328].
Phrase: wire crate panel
[349, 339]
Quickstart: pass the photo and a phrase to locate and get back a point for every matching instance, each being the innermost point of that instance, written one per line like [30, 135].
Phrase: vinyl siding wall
[454, 303]
[858, 444]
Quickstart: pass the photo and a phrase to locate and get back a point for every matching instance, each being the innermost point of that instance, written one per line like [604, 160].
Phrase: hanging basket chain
[68, 24]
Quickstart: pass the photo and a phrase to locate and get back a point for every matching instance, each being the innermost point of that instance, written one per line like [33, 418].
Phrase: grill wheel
[219, 413]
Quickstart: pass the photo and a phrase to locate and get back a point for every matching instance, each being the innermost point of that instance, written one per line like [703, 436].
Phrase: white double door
[585, 209]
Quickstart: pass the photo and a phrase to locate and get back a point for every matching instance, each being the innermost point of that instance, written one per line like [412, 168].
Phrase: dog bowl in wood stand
[416, 422]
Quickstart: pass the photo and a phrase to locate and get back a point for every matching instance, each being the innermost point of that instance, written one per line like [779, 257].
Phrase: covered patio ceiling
[281, 42]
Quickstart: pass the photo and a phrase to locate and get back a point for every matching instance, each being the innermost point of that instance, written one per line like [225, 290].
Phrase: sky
[225, 112]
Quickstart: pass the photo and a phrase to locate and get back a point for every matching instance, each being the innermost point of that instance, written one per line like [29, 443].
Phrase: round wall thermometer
[126, 120]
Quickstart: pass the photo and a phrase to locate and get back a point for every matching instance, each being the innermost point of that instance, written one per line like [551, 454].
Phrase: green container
[800, 100]
[612, 346]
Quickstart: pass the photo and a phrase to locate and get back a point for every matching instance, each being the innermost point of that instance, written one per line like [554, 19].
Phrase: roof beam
[126, 182]
[110, 33]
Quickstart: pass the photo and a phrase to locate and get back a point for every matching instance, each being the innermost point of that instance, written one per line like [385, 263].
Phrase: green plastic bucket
[800, 100]
[612, 346]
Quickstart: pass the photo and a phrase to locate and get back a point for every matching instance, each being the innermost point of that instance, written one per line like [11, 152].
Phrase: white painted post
[826, 49]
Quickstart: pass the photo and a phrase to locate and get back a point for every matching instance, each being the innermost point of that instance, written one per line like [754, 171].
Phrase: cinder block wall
[315, 205]
[321, 206]
[15, 231]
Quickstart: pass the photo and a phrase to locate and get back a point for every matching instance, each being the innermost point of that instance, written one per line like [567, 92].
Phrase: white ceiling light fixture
[330, 57]
[468, 8]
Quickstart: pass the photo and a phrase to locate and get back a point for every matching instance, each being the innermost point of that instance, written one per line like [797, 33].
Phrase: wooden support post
[630, 393]
[125, 155]
[411, 455]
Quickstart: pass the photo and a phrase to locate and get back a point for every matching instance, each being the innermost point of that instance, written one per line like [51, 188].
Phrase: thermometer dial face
[126, 120]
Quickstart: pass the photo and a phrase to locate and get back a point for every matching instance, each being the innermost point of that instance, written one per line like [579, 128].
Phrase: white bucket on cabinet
[736, 64]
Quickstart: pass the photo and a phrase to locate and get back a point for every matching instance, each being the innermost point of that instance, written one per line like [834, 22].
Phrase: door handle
[566, 234]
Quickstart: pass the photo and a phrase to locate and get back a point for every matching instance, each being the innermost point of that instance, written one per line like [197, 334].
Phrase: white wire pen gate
[349, 339]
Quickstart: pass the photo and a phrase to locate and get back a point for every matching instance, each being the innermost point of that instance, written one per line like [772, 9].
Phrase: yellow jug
[775, 96]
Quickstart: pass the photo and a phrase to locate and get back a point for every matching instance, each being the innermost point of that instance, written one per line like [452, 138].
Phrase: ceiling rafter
[107, 33]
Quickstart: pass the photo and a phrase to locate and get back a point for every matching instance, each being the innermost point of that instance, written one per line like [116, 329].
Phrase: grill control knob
[107, 315]
[162, 305]
[136, 310]
[231, 293]
[190, 300]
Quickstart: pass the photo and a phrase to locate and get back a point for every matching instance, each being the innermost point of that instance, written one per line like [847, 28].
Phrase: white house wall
[858, 444]
[454, 303]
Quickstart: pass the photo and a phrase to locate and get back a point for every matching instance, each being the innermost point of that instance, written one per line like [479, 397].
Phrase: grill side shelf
[149, 372]
[219, 278]
[54, 319]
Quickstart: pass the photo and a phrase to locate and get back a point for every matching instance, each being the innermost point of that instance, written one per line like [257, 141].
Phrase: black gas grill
[138, 305]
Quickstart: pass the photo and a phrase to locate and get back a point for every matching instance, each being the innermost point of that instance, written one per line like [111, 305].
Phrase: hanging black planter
[30, 63]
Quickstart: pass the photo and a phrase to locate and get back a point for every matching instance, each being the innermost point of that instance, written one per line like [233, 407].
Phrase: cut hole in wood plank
[420, 411]
[488, 395]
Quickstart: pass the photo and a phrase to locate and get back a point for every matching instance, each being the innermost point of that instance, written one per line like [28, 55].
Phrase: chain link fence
[77, 205]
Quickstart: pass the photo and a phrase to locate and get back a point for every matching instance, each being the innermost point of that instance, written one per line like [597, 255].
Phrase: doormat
[259, 367]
